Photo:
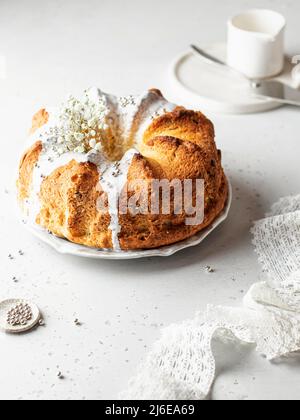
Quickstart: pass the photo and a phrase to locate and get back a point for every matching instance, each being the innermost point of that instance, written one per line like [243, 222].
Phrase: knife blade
[265, 89]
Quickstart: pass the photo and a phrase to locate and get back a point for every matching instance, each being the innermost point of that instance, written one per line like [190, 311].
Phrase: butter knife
[266, 89]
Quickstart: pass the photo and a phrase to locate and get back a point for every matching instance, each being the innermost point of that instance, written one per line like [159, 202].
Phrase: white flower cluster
[81, 126]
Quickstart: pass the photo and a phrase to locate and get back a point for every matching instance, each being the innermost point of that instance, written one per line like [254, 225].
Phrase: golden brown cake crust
[27, 164]
[177, 145]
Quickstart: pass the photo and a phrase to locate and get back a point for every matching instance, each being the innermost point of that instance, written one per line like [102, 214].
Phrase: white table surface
[53, 48]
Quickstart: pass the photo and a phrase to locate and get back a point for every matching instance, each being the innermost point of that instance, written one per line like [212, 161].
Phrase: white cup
[256, 43]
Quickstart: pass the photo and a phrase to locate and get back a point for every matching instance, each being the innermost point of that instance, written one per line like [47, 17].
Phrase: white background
[56, 47]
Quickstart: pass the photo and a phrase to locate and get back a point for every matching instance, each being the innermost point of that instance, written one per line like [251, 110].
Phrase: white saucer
[65, 247]
[210, 87]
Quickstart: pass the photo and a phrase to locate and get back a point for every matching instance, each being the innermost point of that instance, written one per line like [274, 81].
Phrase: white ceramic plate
[210, 87]
[65, 247]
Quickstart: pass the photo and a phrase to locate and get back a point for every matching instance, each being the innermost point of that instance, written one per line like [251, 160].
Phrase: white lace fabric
[181, 364]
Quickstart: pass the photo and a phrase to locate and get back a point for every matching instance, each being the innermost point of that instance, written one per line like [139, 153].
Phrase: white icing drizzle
[121, 115]
[40, 132]
[128, 108]
[123, 111]
[153, 110]
[113, 178]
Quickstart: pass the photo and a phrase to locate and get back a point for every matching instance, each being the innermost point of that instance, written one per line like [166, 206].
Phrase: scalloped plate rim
[65, 247]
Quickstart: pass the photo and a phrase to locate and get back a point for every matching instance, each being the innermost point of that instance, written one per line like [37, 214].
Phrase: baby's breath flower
[79, 149]
[98, 147]
[93, 143]
[60, 150]
[82, 126]
[79, 137]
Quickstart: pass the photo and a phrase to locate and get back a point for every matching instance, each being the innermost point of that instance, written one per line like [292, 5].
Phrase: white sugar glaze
[113, 185]
[151, 109]
[126, 117]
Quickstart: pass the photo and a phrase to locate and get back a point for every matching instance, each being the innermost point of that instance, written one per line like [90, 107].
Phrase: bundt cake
[87, 157]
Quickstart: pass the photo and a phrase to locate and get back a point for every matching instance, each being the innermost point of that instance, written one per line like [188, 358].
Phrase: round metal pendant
[18, 316]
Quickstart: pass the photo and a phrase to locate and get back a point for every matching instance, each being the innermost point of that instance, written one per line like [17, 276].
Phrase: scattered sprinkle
[60, 375]
[125, 101]
[209, 269]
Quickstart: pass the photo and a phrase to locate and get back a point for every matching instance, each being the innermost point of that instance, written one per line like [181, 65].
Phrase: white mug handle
[296, 71]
